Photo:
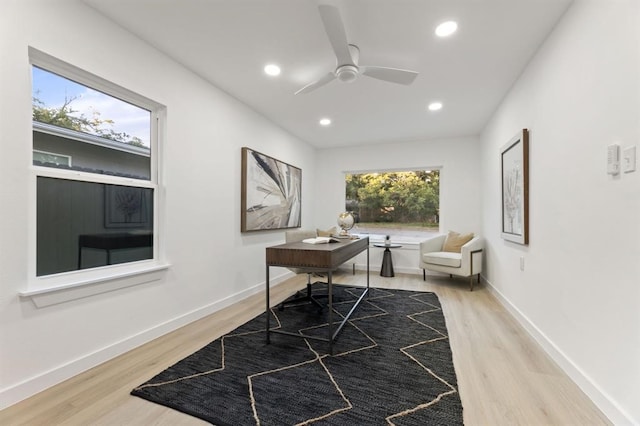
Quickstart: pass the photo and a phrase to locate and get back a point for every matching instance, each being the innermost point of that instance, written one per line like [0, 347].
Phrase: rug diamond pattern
[296, 400]
[392, 364]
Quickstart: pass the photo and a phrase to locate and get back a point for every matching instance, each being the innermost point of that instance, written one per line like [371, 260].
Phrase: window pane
[401, 204]
[97, 130]
[85, 225]
[88, 157]
[50, 157]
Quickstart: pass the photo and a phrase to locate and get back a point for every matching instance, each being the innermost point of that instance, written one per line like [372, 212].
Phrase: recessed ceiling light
[446, 28]
[435, 106]
[325, 122]
[272, 70]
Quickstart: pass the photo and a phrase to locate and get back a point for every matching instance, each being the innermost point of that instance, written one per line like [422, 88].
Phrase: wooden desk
[317, 258]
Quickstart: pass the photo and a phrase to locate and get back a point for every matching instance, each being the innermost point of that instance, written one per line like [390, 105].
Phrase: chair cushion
[455, 241]
[293, 236]
[329, 232]
[443, 258]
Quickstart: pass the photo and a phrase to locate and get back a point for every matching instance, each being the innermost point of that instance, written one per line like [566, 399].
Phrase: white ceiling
[228, 42]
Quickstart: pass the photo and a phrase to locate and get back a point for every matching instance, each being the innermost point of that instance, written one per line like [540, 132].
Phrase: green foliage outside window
[394, 197]
[65, 116]
[62, 102]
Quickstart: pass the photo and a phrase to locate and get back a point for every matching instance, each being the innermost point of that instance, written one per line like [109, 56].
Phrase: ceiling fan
[348, 54]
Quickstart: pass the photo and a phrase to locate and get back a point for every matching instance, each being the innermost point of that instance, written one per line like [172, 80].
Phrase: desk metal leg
[267, 310]
[330, 306]
[367, 267]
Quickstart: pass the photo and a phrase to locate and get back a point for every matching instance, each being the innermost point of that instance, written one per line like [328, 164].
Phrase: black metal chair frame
[306, 296]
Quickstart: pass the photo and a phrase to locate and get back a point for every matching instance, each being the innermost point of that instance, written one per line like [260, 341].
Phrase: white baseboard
[601, 399]
[376, 268]
[36, 384]
[23, 390]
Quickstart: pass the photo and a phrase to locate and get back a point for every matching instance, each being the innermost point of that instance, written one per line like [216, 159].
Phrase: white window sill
[380, 238]
[72, 289]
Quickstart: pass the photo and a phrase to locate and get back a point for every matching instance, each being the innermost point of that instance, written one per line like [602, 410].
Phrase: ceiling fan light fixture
[347, 73]
[446, 28]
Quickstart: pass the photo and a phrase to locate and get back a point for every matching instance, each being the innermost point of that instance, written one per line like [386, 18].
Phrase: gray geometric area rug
[392, 364]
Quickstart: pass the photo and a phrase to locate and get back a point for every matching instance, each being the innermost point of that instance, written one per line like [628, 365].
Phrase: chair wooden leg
[471, 283]
[424, 275]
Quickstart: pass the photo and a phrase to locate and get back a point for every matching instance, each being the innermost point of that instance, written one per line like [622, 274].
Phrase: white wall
[213, 264]
[460, 201]
[579, 293]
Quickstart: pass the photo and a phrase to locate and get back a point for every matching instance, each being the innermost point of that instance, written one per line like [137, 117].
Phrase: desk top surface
[320, 256]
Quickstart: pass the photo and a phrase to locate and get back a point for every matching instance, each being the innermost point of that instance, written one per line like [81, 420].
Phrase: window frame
[379, 237]
[143, 269]
[69, 163]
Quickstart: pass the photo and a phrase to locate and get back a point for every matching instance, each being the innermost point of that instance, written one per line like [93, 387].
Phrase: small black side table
[387, 263]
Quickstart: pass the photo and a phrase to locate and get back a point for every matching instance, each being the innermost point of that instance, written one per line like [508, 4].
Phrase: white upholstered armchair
[438, 255]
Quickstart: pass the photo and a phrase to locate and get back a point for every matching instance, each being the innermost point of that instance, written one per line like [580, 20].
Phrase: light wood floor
[504, 377]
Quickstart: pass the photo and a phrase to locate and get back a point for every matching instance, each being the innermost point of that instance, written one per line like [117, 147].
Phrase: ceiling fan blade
[393, 75]
[335, 31]
[313, 86]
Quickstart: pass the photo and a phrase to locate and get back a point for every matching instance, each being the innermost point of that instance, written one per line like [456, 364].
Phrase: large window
[95, 170]
[402, 204]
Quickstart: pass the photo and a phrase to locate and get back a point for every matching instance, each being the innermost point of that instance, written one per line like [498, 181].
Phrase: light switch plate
[629, 159]
[613, 159]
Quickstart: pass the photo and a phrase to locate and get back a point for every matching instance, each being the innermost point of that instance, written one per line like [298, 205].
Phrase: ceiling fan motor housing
[347, 73]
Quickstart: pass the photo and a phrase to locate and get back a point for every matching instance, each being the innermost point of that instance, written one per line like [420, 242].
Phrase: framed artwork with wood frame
[514, 162]
[270, 193]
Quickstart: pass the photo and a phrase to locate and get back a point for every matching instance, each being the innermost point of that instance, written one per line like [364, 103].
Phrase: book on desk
[320, 240]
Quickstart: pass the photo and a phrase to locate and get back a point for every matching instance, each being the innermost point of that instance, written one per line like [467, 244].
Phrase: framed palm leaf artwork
[270, 193]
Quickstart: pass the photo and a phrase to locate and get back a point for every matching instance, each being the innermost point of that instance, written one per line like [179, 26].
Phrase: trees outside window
[402, 203]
